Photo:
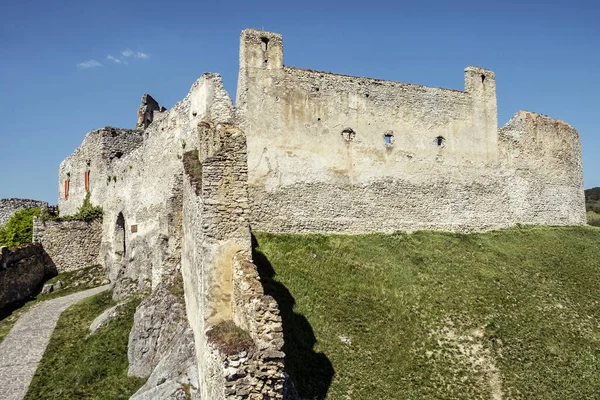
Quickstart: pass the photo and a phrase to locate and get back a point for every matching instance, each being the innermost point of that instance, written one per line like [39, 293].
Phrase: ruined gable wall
[544, 155]
[304, 176]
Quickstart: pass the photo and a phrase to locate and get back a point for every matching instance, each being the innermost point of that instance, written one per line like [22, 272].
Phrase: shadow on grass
[310, 371]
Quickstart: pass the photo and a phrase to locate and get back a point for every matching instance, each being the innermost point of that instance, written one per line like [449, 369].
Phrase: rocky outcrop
[106, 317]
[22, 271]
[161, 347]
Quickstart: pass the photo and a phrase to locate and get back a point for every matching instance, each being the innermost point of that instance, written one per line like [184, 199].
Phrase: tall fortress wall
[305, 151]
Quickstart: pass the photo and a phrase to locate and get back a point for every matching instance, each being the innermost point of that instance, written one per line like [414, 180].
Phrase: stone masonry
[303, 151]
[70, 244]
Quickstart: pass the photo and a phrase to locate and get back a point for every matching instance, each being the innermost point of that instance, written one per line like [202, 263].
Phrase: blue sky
[546, 56]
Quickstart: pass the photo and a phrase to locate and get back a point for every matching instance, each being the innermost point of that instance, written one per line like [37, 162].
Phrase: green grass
[592, 217]
[10, 314]
[507, 314]
[77, 367]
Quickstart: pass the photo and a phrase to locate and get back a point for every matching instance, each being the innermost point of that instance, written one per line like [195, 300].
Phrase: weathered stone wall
[22, 270]
[8, 207]
[70, 244]
[141, 191]
[333, 153]
[216, 231]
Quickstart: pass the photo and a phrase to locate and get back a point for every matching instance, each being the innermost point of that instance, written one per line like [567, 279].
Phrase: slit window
[66, 189]
[264, 42]
[86, 180]
[439, 140]
[388, 137]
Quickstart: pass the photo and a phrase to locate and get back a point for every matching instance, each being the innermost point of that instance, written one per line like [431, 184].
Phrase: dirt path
[23, 347]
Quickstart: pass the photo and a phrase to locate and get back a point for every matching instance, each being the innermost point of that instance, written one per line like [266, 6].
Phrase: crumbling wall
[23, 269]
[70, 244]
[216, 231]
[334, 153]
[8, 207]
[140, 190]
[544, 156]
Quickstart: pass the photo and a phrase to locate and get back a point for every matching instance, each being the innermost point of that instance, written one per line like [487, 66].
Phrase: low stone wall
[22, 270]
[70, 244]
[8, 207]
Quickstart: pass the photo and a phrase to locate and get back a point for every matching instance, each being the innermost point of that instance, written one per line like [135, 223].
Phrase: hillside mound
[429, 315]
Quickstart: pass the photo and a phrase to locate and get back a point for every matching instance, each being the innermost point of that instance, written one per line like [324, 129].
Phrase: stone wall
[23, 269]
[8, 207]
[70, 244]
[217, 289]
[141, 191]
[334, 153]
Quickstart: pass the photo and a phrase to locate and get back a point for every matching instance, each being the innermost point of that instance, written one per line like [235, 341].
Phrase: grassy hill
[508, 314]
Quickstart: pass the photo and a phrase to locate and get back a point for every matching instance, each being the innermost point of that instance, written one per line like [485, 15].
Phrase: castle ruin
[304, 151]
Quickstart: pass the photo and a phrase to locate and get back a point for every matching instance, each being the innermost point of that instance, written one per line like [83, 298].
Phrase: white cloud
[113, 59]
[139, 54]
[127, 53]
[89, 64]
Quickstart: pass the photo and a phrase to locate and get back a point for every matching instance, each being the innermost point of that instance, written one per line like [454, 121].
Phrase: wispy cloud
[89, 64]
[139, 54]
[116, 60]
[119, 59]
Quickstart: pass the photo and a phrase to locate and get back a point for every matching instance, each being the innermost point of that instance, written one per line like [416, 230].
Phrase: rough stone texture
[176, 374]
[106, 317]
[23, 347]
[161, 346]
[8, 207]
[219, 271]
[146, 111]
[70, 244]
[154, 325]
[305, 176]
[143, 186]
[22, 271]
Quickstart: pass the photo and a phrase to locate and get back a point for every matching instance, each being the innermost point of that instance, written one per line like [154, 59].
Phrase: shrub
[19, 228]
[88, 212]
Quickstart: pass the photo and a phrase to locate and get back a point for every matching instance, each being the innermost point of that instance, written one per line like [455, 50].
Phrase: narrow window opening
[66, 189]
[388, 137]
[348, 134]
[482, 78]
[119, 242]
[318, 119]
[264, 43]
[439, 140]
[86, 181]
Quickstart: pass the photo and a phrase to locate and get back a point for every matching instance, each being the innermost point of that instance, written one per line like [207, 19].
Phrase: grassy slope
[508, 314]
[77, 367]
